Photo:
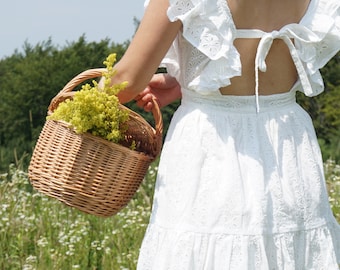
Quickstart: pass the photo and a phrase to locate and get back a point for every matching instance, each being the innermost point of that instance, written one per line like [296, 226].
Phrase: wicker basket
[87, 172]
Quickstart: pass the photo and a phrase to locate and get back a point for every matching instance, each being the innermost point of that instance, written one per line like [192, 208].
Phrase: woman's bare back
[265, 15]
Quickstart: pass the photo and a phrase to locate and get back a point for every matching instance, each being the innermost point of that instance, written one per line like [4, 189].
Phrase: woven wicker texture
[87, 172]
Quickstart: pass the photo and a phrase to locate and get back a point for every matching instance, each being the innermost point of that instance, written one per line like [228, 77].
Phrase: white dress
[240, 183]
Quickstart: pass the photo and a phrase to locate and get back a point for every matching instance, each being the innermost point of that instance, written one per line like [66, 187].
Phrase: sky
[35, 21]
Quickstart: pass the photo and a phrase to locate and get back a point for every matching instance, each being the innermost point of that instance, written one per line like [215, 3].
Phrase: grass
[37, 232]
[332, 172]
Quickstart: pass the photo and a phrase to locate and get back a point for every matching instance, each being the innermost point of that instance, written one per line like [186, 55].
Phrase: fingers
[141, 99]
[148, 107]
[144, 100]
[146, 91]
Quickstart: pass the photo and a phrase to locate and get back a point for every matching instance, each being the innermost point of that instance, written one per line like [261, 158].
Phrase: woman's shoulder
[207, 24]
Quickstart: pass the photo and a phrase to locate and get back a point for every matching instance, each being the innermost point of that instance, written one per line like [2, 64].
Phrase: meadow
[37, 232]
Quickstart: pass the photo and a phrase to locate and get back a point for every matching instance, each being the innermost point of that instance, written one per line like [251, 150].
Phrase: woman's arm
[146, 50]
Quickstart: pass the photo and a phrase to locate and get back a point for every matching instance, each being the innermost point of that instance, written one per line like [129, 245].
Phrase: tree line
[30, 79]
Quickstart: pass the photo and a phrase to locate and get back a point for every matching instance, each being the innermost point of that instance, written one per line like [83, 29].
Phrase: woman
[240, 182]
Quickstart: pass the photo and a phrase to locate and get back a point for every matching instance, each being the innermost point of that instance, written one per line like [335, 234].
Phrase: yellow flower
[96, 111]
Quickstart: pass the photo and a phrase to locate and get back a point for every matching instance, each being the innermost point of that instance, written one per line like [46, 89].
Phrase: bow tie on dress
[287, 34]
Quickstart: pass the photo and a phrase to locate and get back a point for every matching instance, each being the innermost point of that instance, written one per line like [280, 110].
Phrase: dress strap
[287, 33]
[249, 33]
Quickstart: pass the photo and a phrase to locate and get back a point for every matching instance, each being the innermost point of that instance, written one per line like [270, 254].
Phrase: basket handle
[67, 93]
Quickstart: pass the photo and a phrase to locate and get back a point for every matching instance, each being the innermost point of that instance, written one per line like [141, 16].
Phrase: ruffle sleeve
[323, 19]
[209, 29]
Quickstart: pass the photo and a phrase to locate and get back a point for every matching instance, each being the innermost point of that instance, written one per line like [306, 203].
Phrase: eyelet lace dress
[240, 183]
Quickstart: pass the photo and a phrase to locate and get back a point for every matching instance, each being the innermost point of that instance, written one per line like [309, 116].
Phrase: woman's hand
[163, 88]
